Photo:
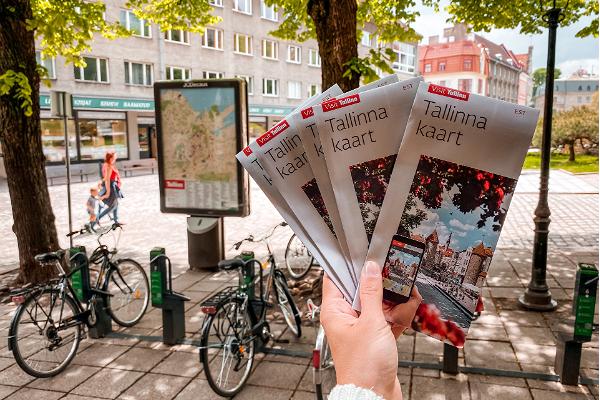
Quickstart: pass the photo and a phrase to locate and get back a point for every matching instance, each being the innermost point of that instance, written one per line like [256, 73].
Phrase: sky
[463, 226]
[572, 53]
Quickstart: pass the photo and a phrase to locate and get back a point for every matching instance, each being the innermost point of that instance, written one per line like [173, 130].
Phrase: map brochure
[201, 125]
[248, 160]
[361, 134]
[281, 152]
[307, 129]
[454, 177]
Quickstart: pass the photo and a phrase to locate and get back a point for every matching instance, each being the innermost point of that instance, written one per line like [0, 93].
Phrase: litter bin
[205, 242]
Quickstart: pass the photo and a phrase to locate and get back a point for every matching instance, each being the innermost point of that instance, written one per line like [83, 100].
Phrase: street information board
[201, 126]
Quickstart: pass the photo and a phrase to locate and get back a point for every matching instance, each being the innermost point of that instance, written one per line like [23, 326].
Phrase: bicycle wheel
[227, 348]
[128, 285]
[286, 303]
[41, 343]
[298, 259]
[323, 371]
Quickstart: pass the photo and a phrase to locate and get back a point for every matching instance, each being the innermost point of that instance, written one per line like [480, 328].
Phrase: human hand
[364, 347]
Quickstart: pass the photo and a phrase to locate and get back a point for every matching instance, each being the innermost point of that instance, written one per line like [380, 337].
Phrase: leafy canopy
[539, 76]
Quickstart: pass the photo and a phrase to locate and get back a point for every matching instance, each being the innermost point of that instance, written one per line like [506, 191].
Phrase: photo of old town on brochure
[454, 178]
[307, 129]
[281, 153]
[360, 136]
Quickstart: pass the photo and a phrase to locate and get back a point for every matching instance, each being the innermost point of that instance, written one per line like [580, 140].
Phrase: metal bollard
[163, 297]
[568, 359]
[450, 363]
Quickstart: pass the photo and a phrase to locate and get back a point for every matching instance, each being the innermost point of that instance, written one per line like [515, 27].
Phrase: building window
[404, 59]
[97, 136]
[464, 85]
[269, 49]
[95, 70]
[294, 54]
[579, 99]
[588, 99]
[268, 12]
[50, 65]
[178, 73]
[270, 87]
[53, 139]
[213, 39]
[294, 90]
[589, 88]
[427, 67]
[138, 74]
[243, 6]
[314, 59]
[139, 27]
[314, 89]
[242, 44]
[212, 75]
[216, 3]
[442, 66]
[365, 39]
[580, 88]
[468, 64]
[177, 36]
[249, 83]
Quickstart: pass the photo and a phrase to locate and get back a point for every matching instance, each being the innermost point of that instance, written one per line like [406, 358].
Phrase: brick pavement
[504, 337]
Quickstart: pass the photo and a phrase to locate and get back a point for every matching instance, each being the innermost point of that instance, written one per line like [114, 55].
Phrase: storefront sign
[269, 110]
[103, 103]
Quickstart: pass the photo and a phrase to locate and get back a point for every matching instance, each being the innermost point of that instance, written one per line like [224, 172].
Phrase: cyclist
[364, 347]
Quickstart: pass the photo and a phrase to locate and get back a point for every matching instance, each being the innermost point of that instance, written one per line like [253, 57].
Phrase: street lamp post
[537, 296]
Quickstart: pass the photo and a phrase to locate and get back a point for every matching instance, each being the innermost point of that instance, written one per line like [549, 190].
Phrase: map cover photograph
[198, 147]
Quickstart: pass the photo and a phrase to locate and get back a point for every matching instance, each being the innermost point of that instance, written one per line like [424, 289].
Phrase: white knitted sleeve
[351, 392]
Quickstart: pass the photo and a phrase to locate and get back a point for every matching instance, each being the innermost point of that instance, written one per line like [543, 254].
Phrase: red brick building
[472, 63]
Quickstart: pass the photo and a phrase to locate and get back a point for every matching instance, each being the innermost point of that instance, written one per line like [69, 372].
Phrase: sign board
[201, 126]
[584, 301]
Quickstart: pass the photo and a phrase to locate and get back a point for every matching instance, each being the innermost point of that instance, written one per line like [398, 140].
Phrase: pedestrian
[364, 347]
[111, 186]
[90, 206]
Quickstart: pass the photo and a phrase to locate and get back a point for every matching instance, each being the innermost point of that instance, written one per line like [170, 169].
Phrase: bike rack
[80, 280]
[163, 297]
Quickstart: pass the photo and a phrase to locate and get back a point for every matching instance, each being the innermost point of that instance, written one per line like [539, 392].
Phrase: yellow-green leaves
[16, 85]
[190, 15]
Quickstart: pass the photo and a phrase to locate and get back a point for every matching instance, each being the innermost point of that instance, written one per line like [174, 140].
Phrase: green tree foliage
[569, 127]
[539, 77]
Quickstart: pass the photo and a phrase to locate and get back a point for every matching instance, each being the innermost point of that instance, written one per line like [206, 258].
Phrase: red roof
[444, 50]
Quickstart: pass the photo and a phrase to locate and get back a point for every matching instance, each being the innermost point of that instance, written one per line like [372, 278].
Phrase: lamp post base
[537, 301]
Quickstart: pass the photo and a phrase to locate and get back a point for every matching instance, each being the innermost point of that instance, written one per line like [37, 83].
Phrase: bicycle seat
[232, 264]
[49, 257]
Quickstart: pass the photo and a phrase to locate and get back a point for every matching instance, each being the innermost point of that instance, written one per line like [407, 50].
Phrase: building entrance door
[145, 140]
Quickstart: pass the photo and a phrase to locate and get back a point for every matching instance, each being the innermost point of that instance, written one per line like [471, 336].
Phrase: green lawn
[582, 163]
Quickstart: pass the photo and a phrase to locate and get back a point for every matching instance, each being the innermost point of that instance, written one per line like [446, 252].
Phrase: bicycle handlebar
[251, 238]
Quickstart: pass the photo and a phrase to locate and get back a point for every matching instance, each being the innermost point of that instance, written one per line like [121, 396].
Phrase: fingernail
[372, 269]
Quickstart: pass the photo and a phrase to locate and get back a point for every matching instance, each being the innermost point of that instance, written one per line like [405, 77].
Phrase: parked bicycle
[322, 360]
[50, 321]
[236, 325]
[298, 259]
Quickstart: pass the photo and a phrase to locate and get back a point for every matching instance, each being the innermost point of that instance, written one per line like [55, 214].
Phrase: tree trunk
[22, 146]
[571, 151]
[335, 24]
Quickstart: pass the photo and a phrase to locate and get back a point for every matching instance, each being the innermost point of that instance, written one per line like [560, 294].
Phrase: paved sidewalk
[504, 337]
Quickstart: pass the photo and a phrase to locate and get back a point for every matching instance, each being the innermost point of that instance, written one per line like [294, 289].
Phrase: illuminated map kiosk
[201, 126]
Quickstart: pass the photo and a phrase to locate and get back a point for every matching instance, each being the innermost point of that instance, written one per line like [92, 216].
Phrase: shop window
[95, 70]
[53, 139]
[98, 136]
[258, 125]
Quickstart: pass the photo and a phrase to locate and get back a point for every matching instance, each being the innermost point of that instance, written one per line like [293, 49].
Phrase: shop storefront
[125, 126]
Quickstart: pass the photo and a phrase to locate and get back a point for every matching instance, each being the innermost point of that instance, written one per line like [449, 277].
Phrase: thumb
[371, 291]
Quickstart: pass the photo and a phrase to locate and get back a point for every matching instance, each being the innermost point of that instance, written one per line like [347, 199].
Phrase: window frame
[236, 50]
[427, 68]
[214, 3]
[52, 61]
[317, 88]
[143, 23]
[366, 34]
[409, 52]
[264, 7]
[184, 34]
[129, 71]
[98, 64]
[318, 58]
[220, 75]
[170, 68]
[299, 93]
[441, 66]
[219, 32]
[237, 9]
[249, 82]
[274, 48]
[264, 86]
[298, 54]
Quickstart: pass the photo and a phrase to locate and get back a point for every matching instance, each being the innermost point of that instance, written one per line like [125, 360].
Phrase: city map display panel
[201, 126]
